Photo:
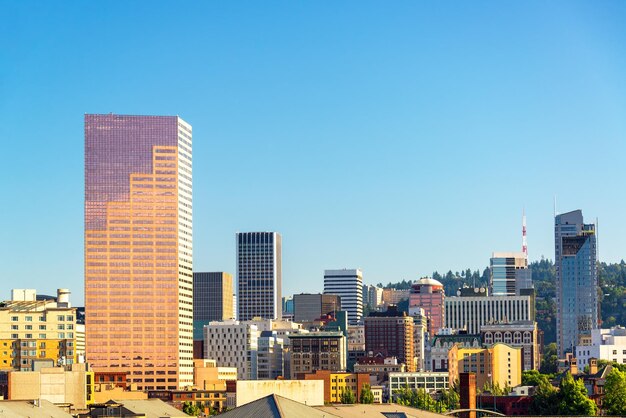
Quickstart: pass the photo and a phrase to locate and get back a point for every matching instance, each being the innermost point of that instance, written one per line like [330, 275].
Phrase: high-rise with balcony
[576, 279]
[138, 248]
[259, 275]
[348, 285]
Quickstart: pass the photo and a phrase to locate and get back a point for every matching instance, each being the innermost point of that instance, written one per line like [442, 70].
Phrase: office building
[32, 330]
[212, 300]
[469, 313]
[138, 248]
[348, 285]
[518, 335]
[429, 381]
[372, 296]
[509, 273]
[233, 344]
[605, 344]
[393, 296]
[323, 350]
[576, 279]
[390, 333]
[336, 383]
[259, 275]
[428, 294]
[499, 365]
[270, 356]
[310, 307]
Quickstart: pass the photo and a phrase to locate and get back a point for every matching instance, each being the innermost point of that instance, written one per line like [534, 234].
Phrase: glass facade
[138, 248]
[577, 281]
[212, 300]
[259, 275]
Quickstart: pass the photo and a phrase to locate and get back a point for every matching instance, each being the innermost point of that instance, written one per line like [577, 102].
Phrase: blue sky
[398, 137]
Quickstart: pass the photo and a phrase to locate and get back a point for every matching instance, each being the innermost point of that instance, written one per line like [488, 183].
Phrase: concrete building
[259, 275]
[498, 365]
[336, 383]
[391, 334]
[522, 335]
[394, 296]
[372, 296]
[233, 344]
[429, 381]
[429, 295]
[270, 356]
[72, 385]
[212, 398]
[606, 344]
[469, 313]
[310, 306]
[139, 248]
[212, 300]
[309, 392]
[379, 366]
[206, 372]
[444, 341]
[33, 330]
[576, 279]
[421, 339]
[317, 351]
[348, 285]
[509, 274]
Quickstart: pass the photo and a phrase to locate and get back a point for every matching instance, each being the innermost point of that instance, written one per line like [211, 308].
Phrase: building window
[14, 318]
[29, 319]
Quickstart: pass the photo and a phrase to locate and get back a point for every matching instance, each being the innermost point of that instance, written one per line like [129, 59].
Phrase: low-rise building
[606, 344]
[335, 384]
[379, 366]
[317, 351]
[444, 341]
[309, 392]
[210, 399]
[429, 381]
[515, 334]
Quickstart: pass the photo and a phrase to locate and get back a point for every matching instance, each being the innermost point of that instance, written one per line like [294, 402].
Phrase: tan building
[335, 384]
[309, 392]
[60, 385]
[206, 372]
[394, 296]
[497, 365]
[138, 248]
[515, 334]
[33, 330]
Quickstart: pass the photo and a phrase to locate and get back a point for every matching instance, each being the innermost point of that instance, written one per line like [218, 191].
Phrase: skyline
[398, 139]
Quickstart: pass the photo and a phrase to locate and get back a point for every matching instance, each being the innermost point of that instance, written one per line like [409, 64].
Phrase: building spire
[524, 243]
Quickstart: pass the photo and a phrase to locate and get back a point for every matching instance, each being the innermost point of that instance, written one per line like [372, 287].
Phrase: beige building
[499, 364]
[206, 373]
[515, 334]
[60, 385]
[32, 330]
[309, 392]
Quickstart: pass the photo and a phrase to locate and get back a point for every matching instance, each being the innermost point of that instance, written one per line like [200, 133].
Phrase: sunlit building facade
[138, 248]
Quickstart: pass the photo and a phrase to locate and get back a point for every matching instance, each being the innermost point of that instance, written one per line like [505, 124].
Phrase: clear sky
[398, 137]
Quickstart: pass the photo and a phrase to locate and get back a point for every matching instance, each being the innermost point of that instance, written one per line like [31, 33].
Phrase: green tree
[545, 401]
[191, 408]
[550, 359]
[347, 396]
[614, 402]
[449, 400]
[534, 378]
[573, 399]
[366, 394]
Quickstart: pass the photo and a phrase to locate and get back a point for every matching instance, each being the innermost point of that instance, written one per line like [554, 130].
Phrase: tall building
[509, 274]
[576, 279]
[212, 300]
[391, 334]
[428, 294]
[259, 275]
[311, 306]
[233, 344]
[348, 285]
[138, 248]
[323, 350]
[372, 296]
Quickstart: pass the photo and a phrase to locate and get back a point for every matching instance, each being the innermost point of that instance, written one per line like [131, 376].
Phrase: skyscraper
[138, 248]
[576, 279]
[212, 300]
[509, 274]
[429, 295]
[348, 285]
[259, 275]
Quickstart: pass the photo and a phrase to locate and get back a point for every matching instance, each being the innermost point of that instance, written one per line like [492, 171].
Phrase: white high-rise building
[259, 275]
[348, 284]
